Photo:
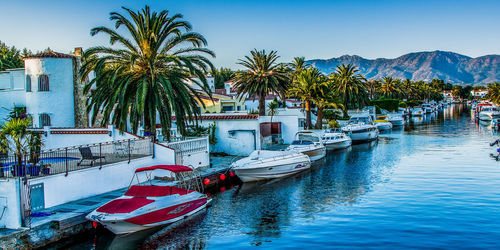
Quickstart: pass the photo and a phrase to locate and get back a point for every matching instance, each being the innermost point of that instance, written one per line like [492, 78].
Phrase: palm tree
[350, 85]
[15, 137]
[494, 92]
[407, 88]
[308, 84]
[324, 99]
[298, 64]
[146, 75]
[263, 75]
[373, 86]
[389, 86]
[273, 109]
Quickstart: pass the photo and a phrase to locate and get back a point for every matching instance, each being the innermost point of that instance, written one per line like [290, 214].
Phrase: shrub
[387, 104]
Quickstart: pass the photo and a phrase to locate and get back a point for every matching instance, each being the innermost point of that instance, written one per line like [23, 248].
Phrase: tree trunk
[262, 105]
[308, 115]
[319, 120]
[344, 110]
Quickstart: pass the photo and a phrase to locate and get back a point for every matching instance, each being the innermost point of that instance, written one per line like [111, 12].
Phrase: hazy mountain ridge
[423, 66]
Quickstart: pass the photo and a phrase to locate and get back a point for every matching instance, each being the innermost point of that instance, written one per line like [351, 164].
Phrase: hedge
[387, 104]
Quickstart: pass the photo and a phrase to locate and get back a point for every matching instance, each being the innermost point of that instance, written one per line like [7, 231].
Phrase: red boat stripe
[167, 213]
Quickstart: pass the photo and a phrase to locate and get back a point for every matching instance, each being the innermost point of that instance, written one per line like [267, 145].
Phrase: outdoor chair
[87, 155]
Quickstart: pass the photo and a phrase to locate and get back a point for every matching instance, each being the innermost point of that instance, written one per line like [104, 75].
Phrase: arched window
[43, 83]
[28, 83]
[44, 120]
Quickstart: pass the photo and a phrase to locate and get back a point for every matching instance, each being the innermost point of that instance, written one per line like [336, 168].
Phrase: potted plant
[15, 137]
[45, 168]
[35, 147]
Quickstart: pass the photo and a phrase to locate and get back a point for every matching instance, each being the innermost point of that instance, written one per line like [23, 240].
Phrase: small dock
[66, 220]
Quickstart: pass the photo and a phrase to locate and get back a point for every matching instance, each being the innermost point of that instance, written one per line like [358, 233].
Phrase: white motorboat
[488, 113]
[336, 139]
[149, 204]
[308, 143]
[396, 119]
[382, 123]
[417, 112]
[265, 164]
[427, 108]
[360, 128]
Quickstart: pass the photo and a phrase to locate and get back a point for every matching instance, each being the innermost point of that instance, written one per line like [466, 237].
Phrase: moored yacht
[488, 113]
[396, 119]
[360, 128]
[308, 143]
[336, 139]
[149, 204]
[265, 164]
[382, 123]
[417, 112]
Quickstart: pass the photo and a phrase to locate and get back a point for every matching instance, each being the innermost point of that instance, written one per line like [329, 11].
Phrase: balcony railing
[65, 160]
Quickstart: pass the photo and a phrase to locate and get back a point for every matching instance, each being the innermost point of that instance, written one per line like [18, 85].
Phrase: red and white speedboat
[150, 204]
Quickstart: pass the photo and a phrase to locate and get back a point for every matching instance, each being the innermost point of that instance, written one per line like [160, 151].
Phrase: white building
[48, 86]
[480, 93]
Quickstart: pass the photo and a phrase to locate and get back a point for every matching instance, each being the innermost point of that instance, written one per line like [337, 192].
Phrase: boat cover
[124, 205]
[171, 168]
[155, 191]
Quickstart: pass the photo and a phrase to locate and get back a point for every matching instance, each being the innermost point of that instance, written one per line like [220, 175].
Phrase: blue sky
[314, 29]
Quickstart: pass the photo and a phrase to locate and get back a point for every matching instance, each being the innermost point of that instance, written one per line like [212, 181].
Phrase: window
[227, 108]
[28, 83]
[43, 83]
[44, 120]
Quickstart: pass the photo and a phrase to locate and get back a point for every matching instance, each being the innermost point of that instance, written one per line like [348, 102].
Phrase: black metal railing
[65, 160]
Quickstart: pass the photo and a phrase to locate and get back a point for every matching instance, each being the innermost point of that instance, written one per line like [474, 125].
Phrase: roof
[228, 117]
[50, 54]
[171, 168]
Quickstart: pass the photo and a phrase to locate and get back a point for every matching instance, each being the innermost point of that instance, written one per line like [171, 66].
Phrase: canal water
[429, 185]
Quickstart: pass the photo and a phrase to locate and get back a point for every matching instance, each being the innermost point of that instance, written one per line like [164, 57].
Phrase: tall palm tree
[145, 73]
[308, 84]
[407, 88]
[350, 85]
[373, 86]
[263, 75]
[494, 92]
[298, 64]
[324, 99]
[389, 86]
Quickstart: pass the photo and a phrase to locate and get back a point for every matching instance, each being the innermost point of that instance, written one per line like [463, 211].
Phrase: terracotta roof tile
[228, 117]
[50, 54]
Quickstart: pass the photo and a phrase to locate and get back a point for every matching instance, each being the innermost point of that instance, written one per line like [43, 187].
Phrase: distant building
[479, 93]
[49, 87]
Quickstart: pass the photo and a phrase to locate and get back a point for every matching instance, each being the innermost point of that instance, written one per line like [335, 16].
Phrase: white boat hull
[488, 116]
[123, 227]
[383, 126]
[266, 172]
[397, 122]
[417, 113]
[314, 154]
[364, 136]
[338, 145]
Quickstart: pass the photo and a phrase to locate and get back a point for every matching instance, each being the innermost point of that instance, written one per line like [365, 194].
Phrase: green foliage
[18, 112]
[17, 138]
[378, 110]
[494, 92]
[212, 139]
[196, 131]
[221, 76]
[403, 105]
[350, 85]
[387, 104]
[263, 75]
[144, 72]
[10, 57]
[333, 124]
[332, 114]
[272, 109]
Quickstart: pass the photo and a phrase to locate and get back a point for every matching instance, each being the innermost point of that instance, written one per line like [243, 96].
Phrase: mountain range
[422, 66]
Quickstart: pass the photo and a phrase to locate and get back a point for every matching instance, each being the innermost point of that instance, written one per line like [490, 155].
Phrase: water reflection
[372, 194]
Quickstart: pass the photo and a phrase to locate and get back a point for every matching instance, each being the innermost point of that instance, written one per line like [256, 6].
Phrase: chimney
[78, 51]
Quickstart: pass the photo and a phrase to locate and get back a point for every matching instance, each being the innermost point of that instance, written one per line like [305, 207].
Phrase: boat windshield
[360, 119]
[307, 137]
[302, 142]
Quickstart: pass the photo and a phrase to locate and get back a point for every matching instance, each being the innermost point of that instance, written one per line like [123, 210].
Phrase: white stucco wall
[10, 197]
[289, 126]
[239, 143]
[59, 189]
[58, 102]
[12, 92]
